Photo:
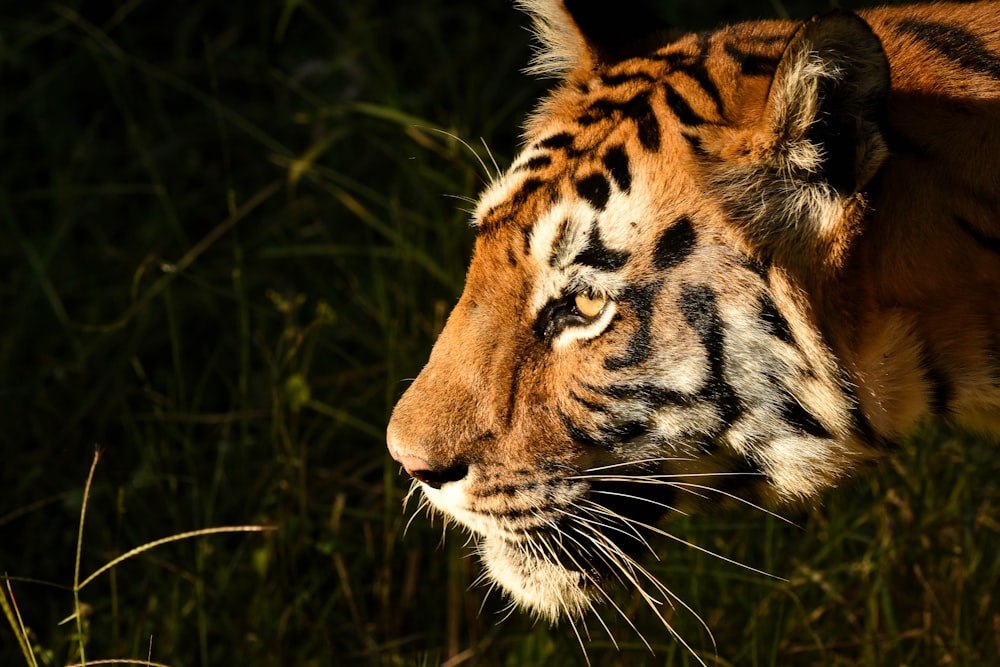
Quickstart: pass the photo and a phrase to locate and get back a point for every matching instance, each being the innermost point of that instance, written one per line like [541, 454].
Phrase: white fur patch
[546, 588]
[560, 48]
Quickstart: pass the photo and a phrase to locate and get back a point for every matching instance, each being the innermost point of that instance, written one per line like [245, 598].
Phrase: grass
[229, 232]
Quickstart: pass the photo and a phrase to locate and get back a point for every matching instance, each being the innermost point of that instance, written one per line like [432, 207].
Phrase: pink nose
[431, 475]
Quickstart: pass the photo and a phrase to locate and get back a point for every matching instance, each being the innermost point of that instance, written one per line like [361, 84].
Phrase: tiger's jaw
[559, 542]
[547, 589]
[522, 549]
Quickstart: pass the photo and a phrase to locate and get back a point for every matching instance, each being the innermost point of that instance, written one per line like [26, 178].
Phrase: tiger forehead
[588, 133]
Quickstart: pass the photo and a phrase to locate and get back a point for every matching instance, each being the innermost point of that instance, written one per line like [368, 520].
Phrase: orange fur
[794, 231]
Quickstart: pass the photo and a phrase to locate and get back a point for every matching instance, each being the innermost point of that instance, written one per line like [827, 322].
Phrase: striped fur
[792, 231]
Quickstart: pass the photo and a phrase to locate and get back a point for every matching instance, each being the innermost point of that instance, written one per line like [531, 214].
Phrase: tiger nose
[434, 476]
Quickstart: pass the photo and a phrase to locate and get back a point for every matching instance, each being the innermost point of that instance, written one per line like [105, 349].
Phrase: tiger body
[732, 265]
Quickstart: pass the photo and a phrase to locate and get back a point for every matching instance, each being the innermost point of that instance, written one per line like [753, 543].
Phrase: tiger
[726, 268]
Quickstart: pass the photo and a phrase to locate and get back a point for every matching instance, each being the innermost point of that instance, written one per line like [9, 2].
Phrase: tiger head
[638, 334]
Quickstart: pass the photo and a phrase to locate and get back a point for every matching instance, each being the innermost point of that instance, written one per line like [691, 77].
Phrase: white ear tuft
[561, 47]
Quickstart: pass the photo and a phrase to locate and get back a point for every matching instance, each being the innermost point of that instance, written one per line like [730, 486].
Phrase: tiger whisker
[490, 588]
[470, 539]
[414, 485]
[607, 630]
[632, 566]
[732, 496]
[631, 533]
[496, 167]
[579, 639]
[423, 504]
[470, 200]
[639, 462]
[665, 476]
[671, 598]
[606, 544]
[507, 611]
[650, 501]
[490, 176]
[616, 572]
[624, 562]
[602, 591]
[598, 510]
[687, 486]
[660, 531]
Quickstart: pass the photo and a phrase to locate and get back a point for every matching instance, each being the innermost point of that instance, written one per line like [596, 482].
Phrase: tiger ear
[581, 34]
[818, 142]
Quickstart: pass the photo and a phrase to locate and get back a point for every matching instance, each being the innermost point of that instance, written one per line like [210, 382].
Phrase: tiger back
[742, 264]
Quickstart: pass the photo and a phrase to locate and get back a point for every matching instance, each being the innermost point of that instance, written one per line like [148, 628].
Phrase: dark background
[229, 231]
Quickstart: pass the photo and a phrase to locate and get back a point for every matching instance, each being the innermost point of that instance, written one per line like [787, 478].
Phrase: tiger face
[645, 324]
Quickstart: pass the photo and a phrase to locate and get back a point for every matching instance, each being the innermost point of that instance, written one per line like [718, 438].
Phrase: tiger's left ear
[796, 185]
[580, 35]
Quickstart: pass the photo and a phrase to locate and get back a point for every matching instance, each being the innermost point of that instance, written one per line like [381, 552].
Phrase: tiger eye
[590, 305]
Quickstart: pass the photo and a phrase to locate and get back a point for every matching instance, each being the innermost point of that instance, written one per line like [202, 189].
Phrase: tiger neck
[923, 296]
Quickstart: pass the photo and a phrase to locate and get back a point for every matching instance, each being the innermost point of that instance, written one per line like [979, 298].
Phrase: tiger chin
[732, 267]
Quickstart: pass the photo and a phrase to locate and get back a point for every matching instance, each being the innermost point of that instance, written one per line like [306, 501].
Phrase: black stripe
[960, 46]
[640, 302]
[637, 109]
[557, 244]
[590, 405]
[941, 390]
[674, 61]
[695, 66]
[528, 188]
[675, 245]
[617, 163]
[624, 432]
[513, 515]
[505, 489]
[598, 255]
[535, 163]
[579, 435]
[761, 267]
[698, 304]
[991, 243]
[698, 71]
[776, 323]
[649, 394]
[595, 189]
[557, 141]
[696, 144]
[802, 420]
[625, 77]
[647, 123]
[752, 64]
[867, 431]
[685, 114]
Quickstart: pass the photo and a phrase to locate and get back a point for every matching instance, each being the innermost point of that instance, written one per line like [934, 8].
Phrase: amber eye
[590, 305]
